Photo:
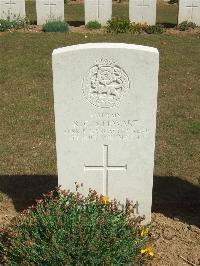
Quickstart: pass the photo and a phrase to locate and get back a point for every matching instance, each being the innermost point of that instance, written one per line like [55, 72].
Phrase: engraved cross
[50, 5]
[192, 6]
[143, 4]
[105, 168]
[10, 3]
[97, 3]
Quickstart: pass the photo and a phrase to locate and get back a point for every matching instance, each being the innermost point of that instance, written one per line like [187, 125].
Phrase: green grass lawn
[26, 109]
[75, 12]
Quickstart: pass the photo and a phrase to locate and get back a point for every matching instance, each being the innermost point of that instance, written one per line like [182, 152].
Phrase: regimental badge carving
[105, 84]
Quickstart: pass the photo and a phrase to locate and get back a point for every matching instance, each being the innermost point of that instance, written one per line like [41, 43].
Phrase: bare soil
[82, 29]
[178, 243]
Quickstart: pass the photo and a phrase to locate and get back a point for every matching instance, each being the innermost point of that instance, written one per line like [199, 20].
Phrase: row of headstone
[45, 9]
[140, 11]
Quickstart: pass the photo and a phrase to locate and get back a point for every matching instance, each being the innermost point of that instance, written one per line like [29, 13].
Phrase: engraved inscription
[105, 168]
[10, 3]
[105, 126]
[105, 84]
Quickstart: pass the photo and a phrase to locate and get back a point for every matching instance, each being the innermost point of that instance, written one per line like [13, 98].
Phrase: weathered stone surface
[12, 9]
[105, 97]
[142, 11]
[49, 10]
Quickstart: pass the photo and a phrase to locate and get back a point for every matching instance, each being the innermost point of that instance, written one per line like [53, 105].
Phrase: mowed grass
[166, 14]
[27, 133]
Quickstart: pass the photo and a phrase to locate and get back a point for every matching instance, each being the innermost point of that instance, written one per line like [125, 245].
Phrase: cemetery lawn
[27, 137]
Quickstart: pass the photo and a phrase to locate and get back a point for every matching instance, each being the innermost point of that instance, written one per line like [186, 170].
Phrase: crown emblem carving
[105, 84]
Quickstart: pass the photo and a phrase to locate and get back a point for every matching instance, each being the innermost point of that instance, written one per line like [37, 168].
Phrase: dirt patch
[7, 210]
[176, 31]
[83, 30]
[31, 28]
[178, 243]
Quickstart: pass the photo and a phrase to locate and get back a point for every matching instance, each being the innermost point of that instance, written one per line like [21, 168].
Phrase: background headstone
[189, 10]
[99, 10]
[142, 11]
[12, 9]
[49, 10]
[105, 99]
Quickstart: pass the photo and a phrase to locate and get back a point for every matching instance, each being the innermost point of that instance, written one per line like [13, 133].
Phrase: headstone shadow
[168, 25]
[176, 198]
[172, 196]
[25, 189]
[76, 23]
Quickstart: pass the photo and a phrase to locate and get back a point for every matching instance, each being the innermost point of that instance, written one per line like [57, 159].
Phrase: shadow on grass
[76, 23]
[168, 25]
[172, 196]
[25, 189]
[33, 22]
[176, 198]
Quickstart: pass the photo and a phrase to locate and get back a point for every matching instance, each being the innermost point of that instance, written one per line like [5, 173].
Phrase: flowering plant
[67, 228]
[14, 23]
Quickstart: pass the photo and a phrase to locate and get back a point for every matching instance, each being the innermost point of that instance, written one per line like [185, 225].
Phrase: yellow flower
[105, 199]
[144, 231]
[148, 250]
[28, 243]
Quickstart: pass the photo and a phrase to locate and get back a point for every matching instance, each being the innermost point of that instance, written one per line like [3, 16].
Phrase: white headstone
[142, 11]
[12, 9]
[189, 10]
[105, 98]
[49, 10]
[98, 10]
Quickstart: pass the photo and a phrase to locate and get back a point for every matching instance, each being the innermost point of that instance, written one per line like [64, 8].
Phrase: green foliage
[93, 25]
[67, 228]
[65, 1]
[194, 127]
[123, 25]
[5, 25]
[154, 29]
[118, 25]
[185, 25]
[55, 26]
[13, 23]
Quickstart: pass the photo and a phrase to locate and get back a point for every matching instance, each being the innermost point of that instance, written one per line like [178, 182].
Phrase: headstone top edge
[105, 45]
